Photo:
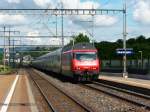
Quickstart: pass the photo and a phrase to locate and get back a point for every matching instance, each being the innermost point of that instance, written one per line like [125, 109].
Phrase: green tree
[119, 41]
[80, 38]
[1, 58]
[131, 41]
[148, 40]
[141, 39]
[107, 50]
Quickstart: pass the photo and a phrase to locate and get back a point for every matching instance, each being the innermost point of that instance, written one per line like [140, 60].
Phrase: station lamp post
[141, 53]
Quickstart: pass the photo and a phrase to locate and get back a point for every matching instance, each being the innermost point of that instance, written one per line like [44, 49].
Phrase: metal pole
[62, 21]
[125, 74]
[4, 49]
[20, 53]
[141, 53]
[73, 40]
[93, 28]
[9, 46]
[13, 54]
[142, 59]
[56, 27]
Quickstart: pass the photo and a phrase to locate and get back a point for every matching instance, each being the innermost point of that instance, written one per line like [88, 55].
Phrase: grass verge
[7, 70]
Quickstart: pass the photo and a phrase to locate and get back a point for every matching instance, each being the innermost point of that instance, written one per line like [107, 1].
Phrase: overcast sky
[107, 27]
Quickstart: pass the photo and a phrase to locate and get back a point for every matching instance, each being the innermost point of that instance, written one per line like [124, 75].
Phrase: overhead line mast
[125, 74]
[7, 48]
[58, 11]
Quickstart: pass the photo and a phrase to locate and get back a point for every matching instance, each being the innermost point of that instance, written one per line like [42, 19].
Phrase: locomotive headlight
[94, 68]
[78, 68]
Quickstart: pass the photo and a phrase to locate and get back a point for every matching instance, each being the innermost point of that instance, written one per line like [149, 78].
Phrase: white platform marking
[9, 96]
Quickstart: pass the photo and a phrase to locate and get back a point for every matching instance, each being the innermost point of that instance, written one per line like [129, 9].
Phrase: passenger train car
[79, 61]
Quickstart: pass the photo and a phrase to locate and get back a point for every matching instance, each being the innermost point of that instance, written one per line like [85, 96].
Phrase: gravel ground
[99, 102]
[122, 94]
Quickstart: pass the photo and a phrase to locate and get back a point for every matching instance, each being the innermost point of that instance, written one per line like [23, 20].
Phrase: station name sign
[128, 51]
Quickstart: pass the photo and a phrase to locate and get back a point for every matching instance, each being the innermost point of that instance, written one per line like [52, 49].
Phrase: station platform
[129, 81]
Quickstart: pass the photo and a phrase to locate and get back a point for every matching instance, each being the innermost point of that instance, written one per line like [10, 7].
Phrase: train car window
[89, 56]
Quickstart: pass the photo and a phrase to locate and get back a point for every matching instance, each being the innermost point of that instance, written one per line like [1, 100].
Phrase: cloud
[12, 19]
[33, 41]
[142, 11]
[42, 41]
[99, 20]
[79, 4]
[14, 1]
[105, 20]
[66, 4]
[33, 33]
[44, 3]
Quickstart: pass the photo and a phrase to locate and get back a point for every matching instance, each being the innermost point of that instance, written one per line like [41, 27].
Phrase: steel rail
[123, 90]
[74, 99]
[44, 96]
[96, 88]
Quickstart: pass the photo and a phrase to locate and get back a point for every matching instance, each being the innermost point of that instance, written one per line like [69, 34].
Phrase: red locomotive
[79, 61]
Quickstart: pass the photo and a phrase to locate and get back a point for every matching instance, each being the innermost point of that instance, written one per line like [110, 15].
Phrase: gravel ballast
[99, 102]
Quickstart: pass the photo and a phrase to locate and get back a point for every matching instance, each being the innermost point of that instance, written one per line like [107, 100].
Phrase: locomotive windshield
[85, 56]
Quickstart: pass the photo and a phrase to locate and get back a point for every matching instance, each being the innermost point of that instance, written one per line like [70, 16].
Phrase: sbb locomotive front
[79, 61]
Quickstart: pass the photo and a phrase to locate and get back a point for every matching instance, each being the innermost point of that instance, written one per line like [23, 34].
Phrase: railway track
[138, 99]
[57, 99]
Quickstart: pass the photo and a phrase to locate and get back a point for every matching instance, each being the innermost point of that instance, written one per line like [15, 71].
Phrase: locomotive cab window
[86, 56]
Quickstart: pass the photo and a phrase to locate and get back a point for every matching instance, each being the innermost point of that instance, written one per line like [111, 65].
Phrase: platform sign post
[124, 53]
